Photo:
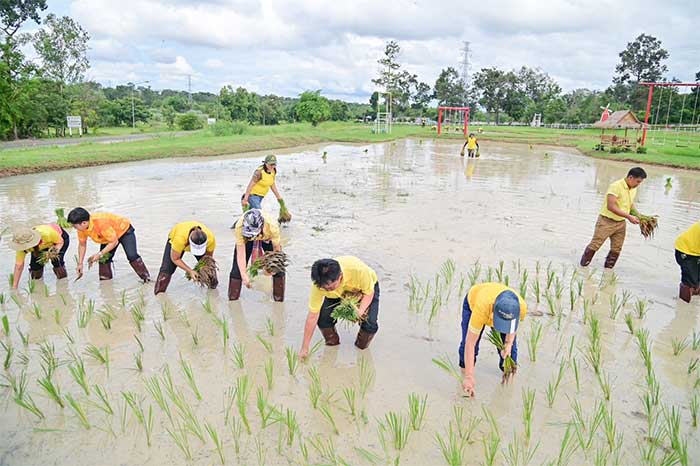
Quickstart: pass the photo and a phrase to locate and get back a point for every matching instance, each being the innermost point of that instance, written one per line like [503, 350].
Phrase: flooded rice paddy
[411, 210]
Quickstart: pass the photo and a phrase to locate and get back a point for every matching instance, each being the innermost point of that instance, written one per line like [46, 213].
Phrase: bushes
[228, 128]
[189, 122]
[641, 150]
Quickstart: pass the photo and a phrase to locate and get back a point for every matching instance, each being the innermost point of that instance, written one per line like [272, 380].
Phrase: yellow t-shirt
[262, 187]
[689, 241]
[179, 236]
[625, 198]
[105, 228]
[49, 236]
[481, 299]
[471, 143]
[270, 231]
[357, 277]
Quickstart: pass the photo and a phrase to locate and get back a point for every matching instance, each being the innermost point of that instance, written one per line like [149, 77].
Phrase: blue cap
[506, 312]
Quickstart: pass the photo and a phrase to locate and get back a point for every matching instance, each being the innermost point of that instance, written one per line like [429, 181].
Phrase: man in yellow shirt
[494, 305]
[34, 242]
[254, 226]
[618, 206]
[688, 258]
[109, 231]
[190, 236]
[332, 280]
[472, 146]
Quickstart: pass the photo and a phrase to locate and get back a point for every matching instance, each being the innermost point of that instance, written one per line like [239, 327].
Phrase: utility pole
[189, 89]
[133, 108]
[466, 52]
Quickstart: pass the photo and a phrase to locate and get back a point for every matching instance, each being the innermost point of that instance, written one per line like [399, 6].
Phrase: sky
[285, 47]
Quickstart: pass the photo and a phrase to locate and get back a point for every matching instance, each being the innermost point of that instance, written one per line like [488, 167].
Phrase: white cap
[198, 249]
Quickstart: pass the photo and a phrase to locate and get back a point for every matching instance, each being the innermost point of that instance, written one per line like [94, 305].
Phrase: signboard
[74, 122]
[211, 121]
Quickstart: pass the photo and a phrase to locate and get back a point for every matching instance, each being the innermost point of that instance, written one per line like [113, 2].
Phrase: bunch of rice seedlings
[474, 273]
[679, 345]
[52, 390]
[242, 393]
[604, 382]
[346, 310]
[49, 361]
[399, 429]
[267, 411]
[518, 454]
[292, 360]
[325, 410]
[106, 317]
[179, 435]
[693, 365]
[444, 363]
[272, 262]
[153, 387]
[416, 410]
[61, 219]
[491, 444]
[553, 387]
[102, 402]
[189, 375]
[27, 402]
[615, 306]
[593, 350]
[533, 339]
[269, 372]
[137, 314]
[214, 436]
[693, 407]
[695, 341]
[509, 365]
[22, 336]
[325, 449]
[367, 376]
[613, 438]
[146, 421]
[78, 410]
[315, 390]
[284, 215]
[238, 355]
[567, 448]
[629, 322]
[350, 399]
[48, 255]
[206, 271]
[642, 335]
[236, 428]
[101, 356]
[585, 428]
[452, 447]
[528, 408]
[77, 371]
[270, 327]
[188, 416]
[648, 225]
[289, 420]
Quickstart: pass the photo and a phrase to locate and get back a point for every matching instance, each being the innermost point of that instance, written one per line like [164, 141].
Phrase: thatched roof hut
[621, 119]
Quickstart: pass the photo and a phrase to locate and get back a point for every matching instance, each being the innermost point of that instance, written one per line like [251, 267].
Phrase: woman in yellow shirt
[34, 242]
[261, 183]
[688, 258]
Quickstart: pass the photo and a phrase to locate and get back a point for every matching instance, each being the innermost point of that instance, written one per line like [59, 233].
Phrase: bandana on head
[252, 223]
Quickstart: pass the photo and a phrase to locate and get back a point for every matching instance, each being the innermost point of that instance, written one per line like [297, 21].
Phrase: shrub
[228, 128]
[615, 150]
[189, 122]
[641, 150]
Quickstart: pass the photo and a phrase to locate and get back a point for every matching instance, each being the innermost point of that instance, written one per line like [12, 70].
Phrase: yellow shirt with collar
[481, 299]
[625, 198]
[179, 236]
[357, 277]
[689, 241]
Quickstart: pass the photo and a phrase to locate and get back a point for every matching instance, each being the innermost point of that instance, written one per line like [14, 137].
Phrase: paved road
[82, 140]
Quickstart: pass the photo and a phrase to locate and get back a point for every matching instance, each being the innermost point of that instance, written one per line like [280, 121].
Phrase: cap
[506, 312]
[24, 238]
[271, 159]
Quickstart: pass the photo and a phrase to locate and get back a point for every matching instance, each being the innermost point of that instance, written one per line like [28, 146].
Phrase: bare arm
[275, 191]
[615, 209]
[240, 258]
[110, 247]
[309, 327]
[82, 246]
[364, 303]
[176, 257]
[19, 267]
[468, 382]
[256, 177]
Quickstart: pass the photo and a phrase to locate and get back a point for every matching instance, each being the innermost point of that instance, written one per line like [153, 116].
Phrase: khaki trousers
[608, 228]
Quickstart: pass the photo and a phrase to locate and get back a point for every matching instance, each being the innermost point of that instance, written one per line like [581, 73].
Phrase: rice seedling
[460, 292]
[551, 303]
[537, 290]
[122, 299]
[416, 410]
[435, 304]
[140, 343]
[189, 375]
[101, 356]
[577, 376]
[553, 386]
[615, 306]
[567, 448]
[679, 345]
[15, 298]
[398, 428]
[165, 310]
[52, 390]
[206, 272]
[509, 365]
[289, 421]
[346, 310]
[146, 421]
[27, 402]
[242, 393]
[585, 428]
[216, 440]
[610, 429]
[236, 428]
[648, 225]
[24, 337]
[270, 327]
[604, 382]
[267, 411]
[154, 388]
[292, 360]
[78, 410]
[106, 317]
[31, 286]
[49, 361]
[103, 403]
[57, 316]
[464, 427]
[266, 344]
[474, 273]
[315, 390]
[693, 365]
[523, 284]
[369, 456]
[444, 363]
[36, 310]
[367, 375]
[325, 449]
[6, 325]
[138, 361]
[630, 322]
[452, 448]
[641, 306]
[179, 436]
[194, 333]
[239, 355]
[77, 371]
[138, 316]
[642, 335]
[517, 453]
[2, 299]
[159, 328]
[499, 272]
[9, 352]
[207, 306]
[528, 409]
[693, 407]
[653, 387]
[350, 396]
[17, 384]
[325, 410]
[269, 372]
[491, 443]
[533, 339]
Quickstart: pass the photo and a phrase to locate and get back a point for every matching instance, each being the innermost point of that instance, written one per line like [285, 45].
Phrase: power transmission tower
[466, 55]
[189, 89]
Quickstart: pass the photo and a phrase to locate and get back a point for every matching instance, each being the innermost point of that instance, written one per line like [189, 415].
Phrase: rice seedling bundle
[61, 219]
[284, 215]
[48, 255]
[509, 365]
[273, 262]
[346, 310]
[206, 272]
[648, 225]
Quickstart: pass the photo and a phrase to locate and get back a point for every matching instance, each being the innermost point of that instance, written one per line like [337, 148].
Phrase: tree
[169, 116]
[515, 100]
[62, 46]
[85, 99]
[313, 107]
[449, 88]
[339, 110]
[421, 97]
[176, 102]
[641, 61]
[189, 122]
[491, 84]
[389, 74]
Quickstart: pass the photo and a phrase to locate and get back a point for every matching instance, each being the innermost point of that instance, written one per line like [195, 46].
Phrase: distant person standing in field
[618, 206]
[472, 146]
[688, 258]
[261, 183]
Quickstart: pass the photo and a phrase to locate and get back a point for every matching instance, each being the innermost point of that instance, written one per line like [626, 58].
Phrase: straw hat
[24, 238]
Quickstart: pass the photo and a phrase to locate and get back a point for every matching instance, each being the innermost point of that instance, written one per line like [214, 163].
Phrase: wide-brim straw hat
[24, 238]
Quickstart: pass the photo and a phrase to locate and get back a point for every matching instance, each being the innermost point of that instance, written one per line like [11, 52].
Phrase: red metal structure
[651, 87]
[464, 110]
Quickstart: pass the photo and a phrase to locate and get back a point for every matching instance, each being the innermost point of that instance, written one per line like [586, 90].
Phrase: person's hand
[506, 379]
[244, 202]
[246, 281]
[506, 350]
[303, 353]
[194, 275]
[468, 386]
[79, 269]
[362, 312]
[94, 258]
[634, 220]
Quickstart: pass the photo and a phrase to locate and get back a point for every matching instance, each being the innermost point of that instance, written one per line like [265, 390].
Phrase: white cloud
[214, 63]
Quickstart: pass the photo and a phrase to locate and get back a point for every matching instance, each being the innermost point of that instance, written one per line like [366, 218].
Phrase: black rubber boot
[331, 336]
[234, 288]
[105, 271]
[36, 274]
[60, 272]
[278, 284]
[587, 256]
[363, 339]
[685, 293]
[611, 259]
[140, 269]
[162, 283]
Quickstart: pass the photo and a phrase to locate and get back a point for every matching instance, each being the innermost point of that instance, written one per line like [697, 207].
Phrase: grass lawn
[202, 143]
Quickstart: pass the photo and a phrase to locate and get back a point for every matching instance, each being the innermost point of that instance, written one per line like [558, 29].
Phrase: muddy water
[404, 208]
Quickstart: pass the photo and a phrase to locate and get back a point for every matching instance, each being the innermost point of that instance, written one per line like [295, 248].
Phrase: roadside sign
[74, 122]
[211, 121]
